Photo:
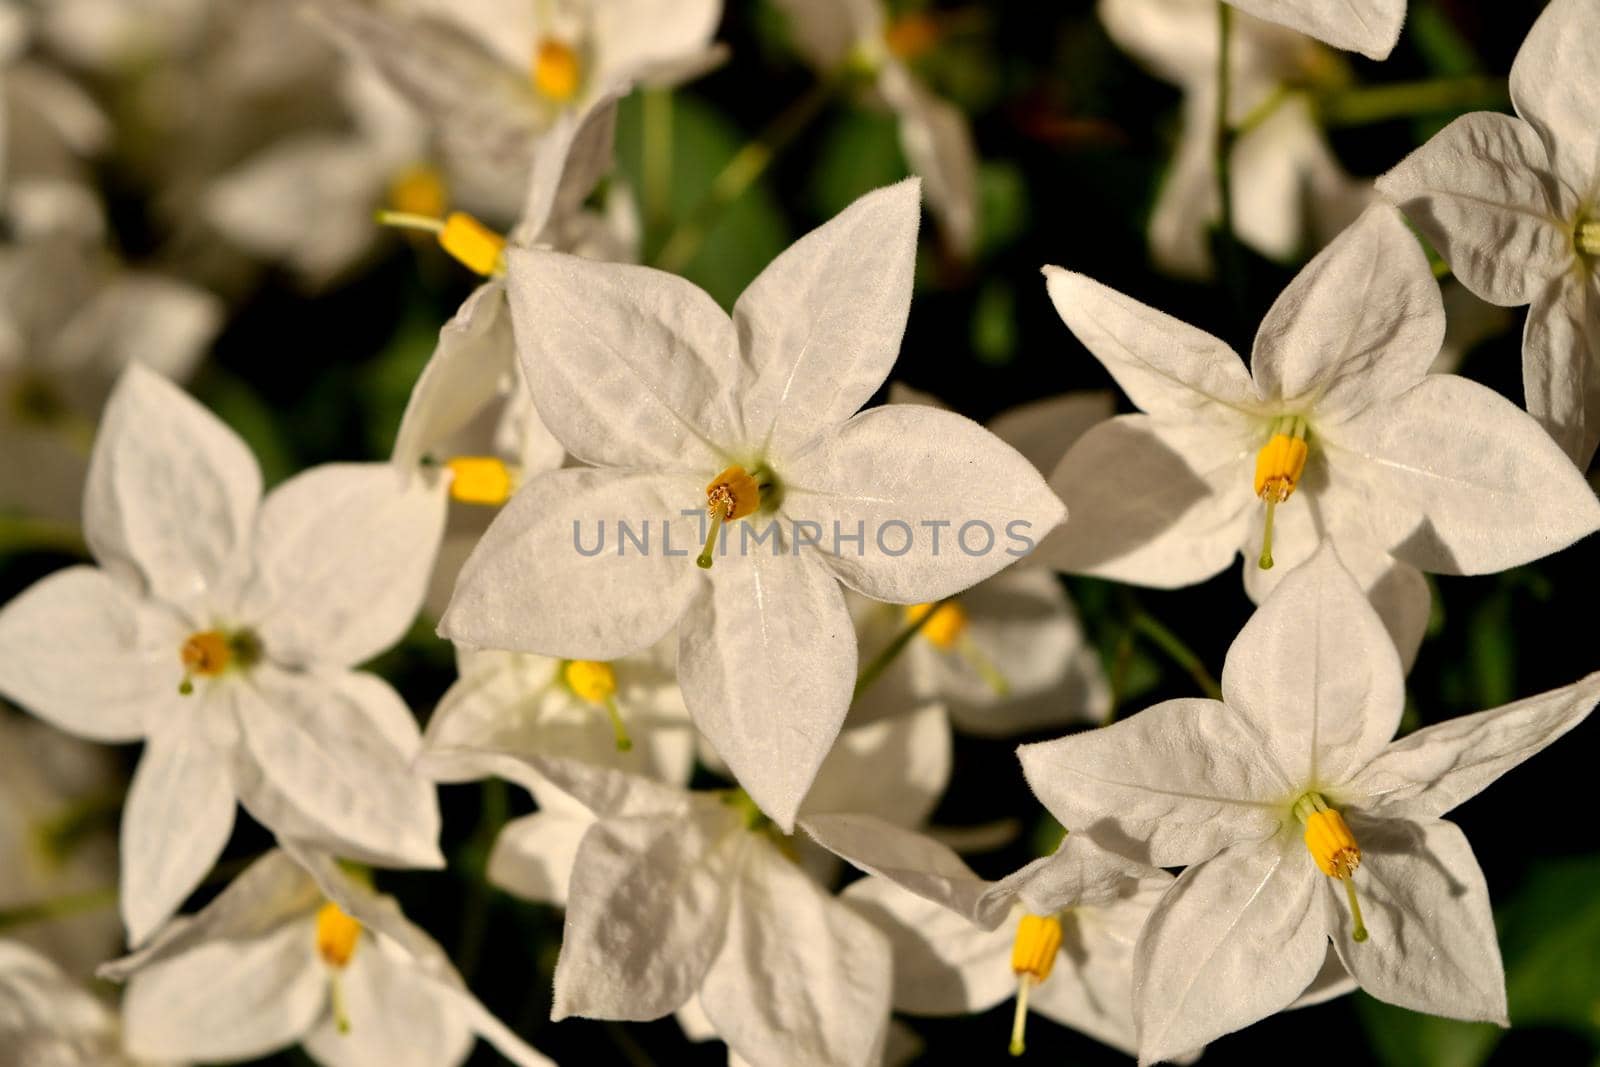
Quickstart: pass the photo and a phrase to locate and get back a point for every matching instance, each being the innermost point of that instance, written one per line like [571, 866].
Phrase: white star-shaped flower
[1337, 433]
[1287, 183]
[1513, 205]
[221, 629]
[694, 422]
[297, 951]
[1301, 822]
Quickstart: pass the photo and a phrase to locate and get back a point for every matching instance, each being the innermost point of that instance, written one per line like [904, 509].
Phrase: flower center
[557, 72]
[944, 628]
[1033, 953]
[466, 240]
[595, 683]
[419, 190]
[911, 36]
[483, 480]
[337, 937]
[1588, 237]
[1279, 465]
[732, 495]
[1333, 847]
[210, 652]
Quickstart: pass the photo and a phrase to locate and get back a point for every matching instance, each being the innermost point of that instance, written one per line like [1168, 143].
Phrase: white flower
[687, 414]
[1513, 204]
[221, 630]
[70, 321]
[295, 950]
[1300, 822]
[47, 1020]
[675, 895]
[1370, 27]
[57, 795]
[1287, 183]
[1341, 436]
[855, 38]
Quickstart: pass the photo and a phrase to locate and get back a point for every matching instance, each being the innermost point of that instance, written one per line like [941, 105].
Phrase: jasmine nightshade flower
[1287, 183]
[1301, 822]
[298, 951]
[1341, 436]
[694, 422]
[1513, 205]
[858, 39]
[1370, 27]
[46, 1018]
[221, 630]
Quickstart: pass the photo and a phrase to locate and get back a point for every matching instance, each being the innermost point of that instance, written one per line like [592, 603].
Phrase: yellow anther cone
[1279, 465]
[337, 935]
[471, 243]
[480, 480]
[945, 628]
[419, 190]
[590, 680]
[557, 71]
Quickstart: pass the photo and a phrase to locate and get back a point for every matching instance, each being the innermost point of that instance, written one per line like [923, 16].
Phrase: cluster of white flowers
[672, 544]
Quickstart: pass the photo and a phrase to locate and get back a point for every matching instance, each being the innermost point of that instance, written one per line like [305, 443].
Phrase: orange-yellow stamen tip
[206, 653]
[1279, 465]
[590, 680]
[481, 480]
[1333, 847]
[1038, 940]
[911, 36]
[730, 496]
[467, 241]
[337, 935]
[1588, 237]
[557, 71]
[419, 190]
[945, 628]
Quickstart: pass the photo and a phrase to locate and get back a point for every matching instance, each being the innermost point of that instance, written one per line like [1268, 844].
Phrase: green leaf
[859, 152]
[1550, 934]
[1402, 1038]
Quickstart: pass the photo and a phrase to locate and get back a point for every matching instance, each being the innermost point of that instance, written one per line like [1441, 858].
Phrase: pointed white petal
[895, 769]
[1370, 27]
[1043, 430]
[1362, 322]
[1174, 784]
[821, 325]
[936, 138]
[1561, 363]
[397, 1017]
[1430, 934]
[557, 575]
[1426, 773]
[767, 661]
[533, 856]
[1553, 87]
[172, 492]
[82, 652]
[913, 861]
[474, 356]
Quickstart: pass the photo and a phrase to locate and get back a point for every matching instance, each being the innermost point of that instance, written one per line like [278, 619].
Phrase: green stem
[1121, 660]
[19, 534]
[492, 816]
[740, 172]
[881, 661]
[1380, 103]
[657, 159]
[1178, 652]
[60, 907]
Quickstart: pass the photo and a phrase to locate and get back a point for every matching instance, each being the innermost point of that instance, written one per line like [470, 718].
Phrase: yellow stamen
[596, 683]
[468, 241]
[337, 935]
[1589, 237]
[206, 654]
[557, 71]
[1033, 954]
[911, 35]
[1333, 847]
[1279, 465]
[732, 495]
[947, 626]
[419, 190]
[481, 480]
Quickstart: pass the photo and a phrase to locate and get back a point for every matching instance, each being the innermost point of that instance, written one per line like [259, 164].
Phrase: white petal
[1165, 366]
[397, 1017]
[1091, 989]
[767, 661]
[1172, 785]
[1162, 503]
[646, 915]
[572, 159]
[1188, 201]
[1431, 945]
[825, 31]
[939, 503]
[629, 366]
[801, 978]
[1317, 674]
[821, 325]
[1043, 430]
[555, 574]
[474, 356]
[936, 138]
[943, 965]
[1561, 363]
[636, 35]
[1426, 773]
[1443, 468]
[172, 491]
[913, 861]
[1234, 940]
[601, 790]
[327, 745]
[1081, 874]
[1482, 192]
[1552, 85]
[228, 1000]
[343, 557]
[533, 856]
[162, 323]
[81, 651]
[1360, 323]
[1370, 27]
[178, 820]
[895, 769]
